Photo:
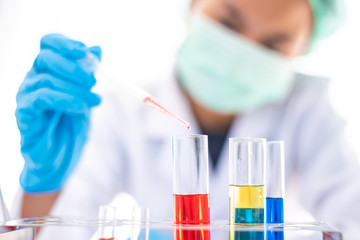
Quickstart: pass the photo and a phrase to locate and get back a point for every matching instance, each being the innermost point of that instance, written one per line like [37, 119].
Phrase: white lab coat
[129, 149]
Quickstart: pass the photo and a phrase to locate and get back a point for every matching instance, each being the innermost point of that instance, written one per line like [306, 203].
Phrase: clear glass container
[275, 186]
[191, 184]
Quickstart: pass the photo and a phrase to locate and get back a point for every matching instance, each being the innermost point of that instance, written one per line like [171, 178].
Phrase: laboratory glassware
[321, 231]
[275, 187]
[4, 212]
[191, 184]
[247, 169]
[107, 218]
[140, 216]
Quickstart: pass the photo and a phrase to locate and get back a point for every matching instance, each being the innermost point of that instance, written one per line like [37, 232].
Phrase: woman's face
[282, 25]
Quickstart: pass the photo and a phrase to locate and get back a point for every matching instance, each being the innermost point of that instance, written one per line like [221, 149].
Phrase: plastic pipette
[143, 96]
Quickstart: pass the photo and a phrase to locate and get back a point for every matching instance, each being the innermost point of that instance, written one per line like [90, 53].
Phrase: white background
[139, 40]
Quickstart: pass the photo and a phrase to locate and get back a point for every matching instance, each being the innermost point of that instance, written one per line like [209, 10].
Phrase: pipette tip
[151, 102]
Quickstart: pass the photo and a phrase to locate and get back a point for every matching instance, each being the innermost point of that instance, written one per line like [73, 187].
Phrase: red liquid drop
[192, 209]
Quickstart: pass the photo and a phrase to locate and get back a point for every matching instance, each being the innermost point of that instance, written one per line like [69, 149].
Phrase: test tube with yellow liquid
[247, 185]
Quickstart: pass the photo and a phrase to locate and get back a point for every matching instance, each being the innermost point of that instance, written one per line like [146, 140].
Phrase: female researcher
[232, 78]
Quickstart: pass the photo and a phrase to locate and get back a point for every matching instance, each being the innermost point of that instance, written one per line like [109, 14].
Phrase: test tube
[4, 212]
[140, 217]
[246, 184]
[107, 219]
[191, 184]
[275, 190]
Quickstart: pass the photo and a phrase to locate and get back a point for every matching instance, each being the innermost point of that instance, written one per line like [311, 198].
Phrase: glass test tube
[107, 219]
[191, 184]
[140, 217]
[4, 213]
[246, 184]
[275, 189]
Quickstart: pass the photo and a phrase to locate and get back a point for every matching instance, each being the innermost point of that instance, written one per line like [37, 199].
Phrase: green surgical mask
[228, 73]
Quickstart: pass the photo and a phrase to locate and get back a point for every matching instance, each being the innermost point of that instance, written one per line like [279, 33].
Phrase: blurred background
[139, 39]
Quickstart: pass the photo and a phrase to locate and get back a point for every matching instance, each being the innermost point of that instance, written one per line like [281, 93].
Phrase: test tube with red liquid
[107, 218]
[191, 185]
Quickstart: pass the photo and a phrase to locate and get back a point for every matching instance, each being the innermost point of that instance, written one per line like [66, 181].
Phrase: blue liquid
[274, 210]
[274, 214]
[274, 235]
[249, 216]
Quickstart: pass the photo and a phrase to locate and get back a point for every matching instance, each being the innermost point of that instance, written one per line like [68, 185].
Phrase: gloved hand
[53, 111]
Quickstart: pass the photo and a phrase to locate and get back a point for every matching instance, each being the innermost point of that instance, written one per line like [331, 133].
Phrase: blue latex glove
[53, 111]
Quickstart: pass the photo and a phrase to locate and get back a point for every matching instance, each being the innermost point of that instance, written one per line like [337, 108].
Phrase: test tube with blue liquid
[275, 190]
[247, 185]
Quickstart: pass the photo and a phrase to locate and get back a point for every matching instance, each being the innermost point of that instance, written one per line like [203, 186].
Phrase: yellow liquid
[245, 197]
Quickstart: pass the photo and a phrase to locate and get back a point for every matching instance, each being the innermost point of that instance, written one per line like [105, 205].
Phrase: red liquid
[192, 209]
[106, 238]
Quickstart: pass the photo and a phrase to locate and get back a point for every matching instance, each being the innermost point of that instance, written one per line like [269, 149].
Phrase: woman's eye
[272, 47]
[227, 23]
[278, 42]
[277, 46]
